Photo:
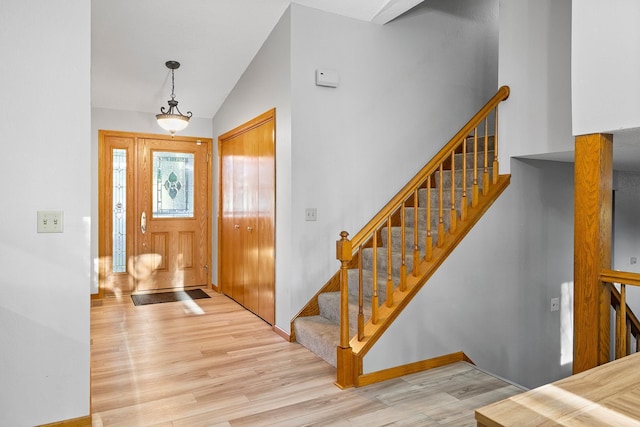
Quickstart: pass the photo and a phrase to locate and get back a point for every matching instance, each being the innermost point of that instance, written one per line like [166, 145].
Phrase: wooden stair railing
[627, 324]
[439, 242]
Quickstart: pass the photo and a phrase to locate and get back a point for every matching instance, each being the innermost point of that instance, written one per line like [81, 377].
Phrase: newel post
[344, 354]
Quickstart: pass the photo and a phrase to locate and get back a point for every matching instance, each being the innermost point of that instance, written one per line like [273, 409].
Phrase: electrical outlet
[311, 214]
[555, 304]
[633, 260]
[50, 222]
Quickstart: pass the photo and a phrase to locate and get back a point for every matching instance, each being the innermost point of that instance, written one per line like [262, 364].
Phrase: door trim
[104, 203]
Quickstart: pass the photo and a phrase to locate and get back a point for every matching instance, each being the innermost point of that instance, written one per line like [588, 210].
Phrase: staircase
[388, 261]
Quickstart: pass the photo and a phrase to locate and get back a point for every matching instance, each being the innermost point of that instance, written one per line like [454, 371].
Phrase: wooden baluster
[628, 338]
[623, 321]
[389, 265]
[474, 186]
[637, 343]
[429, 243]
[360, 297]
[374, 299]
[495, 147]
[345, 362]
[440, 213]
[416, 227]
[485, 163]
[465, 202]
[403, 250]
[616, 332]
[453, 225]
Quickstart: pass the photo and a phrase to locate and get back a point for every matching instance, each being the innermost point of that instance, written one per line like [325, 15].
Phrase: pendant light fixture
[171, 119]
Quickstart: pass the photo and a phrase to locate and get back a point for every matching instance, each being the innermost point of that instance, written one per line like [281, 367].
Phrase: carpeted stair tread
[319, 335]
[446, 177]
[409, 218]
[481, 147]
[329, 303]
[396, 237]
[446, 196]
[470, 155]
[383, 261]
[367, 284]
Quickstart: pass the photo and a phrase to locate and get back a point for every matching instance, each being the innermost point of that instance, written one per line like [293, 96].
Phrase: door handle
[237, 226]
[143, 222]
[250, 228]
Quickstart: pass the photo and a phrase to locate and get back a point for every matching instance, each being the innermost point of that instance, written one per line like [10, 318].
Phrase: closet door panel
[251, 277]
[266, 218]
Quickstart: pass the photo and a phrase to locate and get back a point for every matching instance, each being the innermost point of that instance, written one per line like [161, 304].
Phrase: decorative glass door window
[173, 185]
[119, 207]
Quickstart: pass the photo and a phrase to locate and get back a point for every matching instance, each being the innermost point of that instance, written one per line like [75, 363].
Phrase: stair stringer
[387, 315]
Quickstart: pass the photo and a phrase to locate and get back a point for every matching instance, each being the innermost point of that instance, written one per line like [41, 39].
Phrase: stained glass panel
[119, 236]
[172, 185]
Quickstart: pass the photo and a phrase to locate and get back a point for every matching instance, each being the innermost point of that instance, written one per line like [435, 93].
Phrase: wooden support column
[592, 249]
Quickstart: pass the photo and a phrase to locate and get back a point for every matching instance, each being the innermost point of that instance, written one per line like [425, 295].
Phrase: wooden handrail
[359, 238]
[615, 276]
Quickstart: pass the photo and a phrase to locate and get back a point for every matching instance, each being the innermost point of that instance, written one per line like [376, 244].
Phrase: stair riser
[481, 144]
[382, 261]
[409, 220]
[329, 304]
[469, 156]
[367, 284]
[446, 178]
[396, 238]
[446, 197]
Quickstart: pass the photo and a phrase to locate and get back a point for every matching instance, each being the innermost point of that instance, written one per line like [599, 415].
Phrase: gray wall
[626, 229]
[264, 85]
[405, 89]
[491, 298]
[604, 54]
[535, 61]
[45, 128]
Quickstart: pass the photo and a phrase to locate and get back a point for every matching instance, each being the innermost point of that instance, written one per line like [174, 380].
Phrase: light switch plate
[50, 222]
[311, 214]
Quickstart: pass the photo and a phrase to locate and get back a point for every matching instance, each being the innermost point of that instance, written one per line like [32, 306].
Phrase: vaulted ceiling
[214, 40]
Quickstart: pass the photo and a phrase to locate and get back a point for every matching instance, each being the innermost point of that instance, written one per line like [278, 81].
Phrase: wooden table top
[608, 395]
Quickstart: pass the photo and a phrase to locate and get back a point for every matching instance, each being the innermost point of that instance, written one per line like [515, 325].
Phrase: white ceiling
[214, 41]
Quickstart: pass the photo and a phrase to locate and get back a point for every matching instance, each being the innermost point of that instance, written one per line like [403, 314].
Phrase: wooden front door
[247, 215]
[155, 194]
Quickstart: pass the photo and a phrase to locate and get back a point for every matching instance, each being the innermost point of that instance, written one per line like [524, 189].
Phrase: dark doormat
[144, 299]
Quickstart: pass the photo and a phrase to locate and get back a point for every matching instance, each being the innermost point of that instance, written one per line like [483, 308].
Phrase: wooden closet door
[247, 215]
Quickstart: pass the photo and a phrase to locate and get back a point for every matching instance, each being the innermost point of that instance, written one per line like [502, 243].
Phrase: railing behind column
[627, 326]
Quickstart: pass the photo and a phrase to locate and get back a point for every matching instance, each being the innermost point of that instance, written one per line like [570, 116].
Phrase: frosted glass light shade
[172, 122]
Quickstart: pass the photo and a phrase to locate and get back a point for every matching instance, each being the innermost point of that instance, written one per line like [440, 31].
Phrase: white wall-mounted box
[326, 77]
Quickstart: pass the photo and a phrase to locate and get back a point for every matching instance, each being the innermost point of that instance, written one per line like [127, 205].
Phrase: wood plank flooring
[209, 362]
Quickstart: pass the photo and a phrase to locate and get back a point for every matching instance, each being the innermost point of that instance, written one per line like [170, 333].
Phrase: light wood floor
[211, 363]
